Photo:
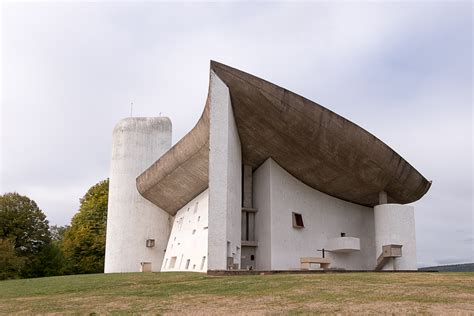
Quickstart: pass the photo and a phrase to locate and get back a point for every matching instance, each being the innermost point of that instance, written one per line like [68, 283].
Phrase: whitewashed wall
[277, 194]
[131, 219]
[395, 224]
[225, 179]
[189, 237]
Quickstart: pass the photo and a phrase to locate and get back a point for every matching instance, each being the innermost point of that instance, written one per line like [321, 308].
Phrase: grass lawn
[193, 293]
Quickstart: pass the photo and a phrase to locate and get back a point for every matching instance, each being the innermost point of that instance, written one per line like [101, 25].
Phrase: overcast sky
[403, 71]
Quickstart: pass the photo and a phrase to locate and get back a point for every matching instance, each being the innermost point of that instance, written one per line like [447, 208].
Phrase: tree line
[30, 247]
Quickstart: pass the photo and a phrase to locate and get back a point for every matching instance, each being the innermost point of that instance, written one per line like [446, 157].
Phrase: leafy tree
[23, 223]
[10, 263]
[83, 245]
[24, 226]
[57, 232]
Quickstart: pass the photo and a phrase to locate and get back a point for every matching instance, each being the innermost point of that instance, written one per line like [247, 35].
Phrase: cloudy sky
[403, 71]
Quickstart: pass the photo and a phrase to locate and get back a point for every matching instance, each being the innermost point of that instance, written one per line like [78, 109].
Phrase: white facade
[277, 194]
[395, 224]
[131, 219]
[285, 221]
[225, 180]
[187, 246]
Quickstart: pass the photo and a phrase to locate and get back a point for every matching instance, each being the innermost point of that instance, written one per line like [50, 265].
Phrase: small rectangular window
[202, 262]
[172, 263]
[187, 264]
[297, 220]
[196, 207]
[194, 231]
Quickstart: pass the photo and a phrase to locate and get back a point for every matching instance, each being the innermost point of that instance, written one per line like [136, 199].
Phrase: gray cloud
[403, 71]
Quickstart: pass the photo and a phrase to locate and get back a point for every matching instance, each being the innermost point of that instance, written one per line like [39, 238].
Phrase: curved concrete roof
[319, 147]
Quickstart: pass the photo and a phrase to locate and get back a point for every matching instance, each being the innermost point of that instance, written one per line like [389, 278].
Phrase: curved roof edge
[317, 146]
[181, 173]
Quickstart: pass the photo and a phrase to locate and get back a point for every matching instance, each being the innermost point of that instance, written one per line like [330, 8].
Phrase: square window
[150, 243]
[297, 220]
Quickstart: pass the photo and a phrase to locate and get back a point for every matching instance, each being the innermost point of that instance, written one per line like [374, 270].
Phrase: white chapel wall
[225, 179]
[187, 245]
[277, 194]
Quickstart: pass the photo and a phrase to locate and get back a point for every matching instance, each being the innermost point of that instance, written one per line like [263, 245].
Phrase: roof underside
[315, 145]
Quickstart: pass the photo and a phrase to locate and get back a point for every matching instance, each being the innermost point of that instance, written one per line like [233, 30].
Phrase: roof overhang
[317, 146]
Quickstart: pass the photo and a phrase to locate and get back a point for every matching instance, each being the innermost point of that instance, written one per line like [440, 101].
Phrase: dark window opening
[298, 220]
[343, 234]
[252, 257]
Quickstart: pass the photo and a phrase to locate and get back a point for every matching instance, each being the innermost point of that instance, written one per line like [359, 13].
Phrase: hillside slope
[193, 293]
[463, 267]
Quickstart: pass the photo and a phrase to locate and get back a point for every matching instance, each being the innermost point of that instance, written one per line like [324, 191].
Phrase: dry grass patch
[191, 293]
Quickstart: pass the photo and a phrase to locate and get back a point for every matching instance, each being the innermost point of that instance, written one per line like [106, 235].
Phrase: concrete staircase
[388, 252]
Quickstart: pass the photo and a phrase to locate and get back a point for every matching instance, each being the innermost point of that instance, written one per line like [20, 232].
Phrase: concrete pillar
[247, 193]
[383, 197]
[131, 219]
[225, 180]
[395, 224]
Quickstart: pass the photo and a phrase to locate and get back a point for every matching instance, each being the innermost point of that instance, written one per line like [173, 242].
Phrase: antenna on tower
[131, 109]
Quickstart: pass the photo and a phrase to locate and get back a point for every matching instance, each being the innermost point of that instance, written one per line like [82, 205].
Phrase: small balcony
[343, 244]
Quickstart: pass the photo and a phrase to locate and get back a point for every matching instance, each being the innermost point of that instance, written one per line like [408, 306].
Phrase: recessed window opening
[196, 207]
[172, 263]
[199, 217]
[181, 261]
[187, 264]
[297, 220]
[202, 262]
[252, 257]
[194, 231]
[343, 234]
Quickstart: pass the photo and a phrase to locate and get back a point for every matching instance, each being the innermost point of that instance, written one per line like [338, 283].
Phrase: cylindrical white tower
[137, 143]
[395, 224]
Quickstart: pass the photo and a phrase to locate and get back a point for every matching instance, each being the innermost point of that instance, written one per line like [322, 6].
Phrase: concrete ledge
[268, 272]
[343, 244]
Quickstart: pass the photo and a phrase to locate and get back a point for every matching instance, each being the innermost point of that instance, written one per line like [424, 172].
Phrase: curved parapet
[319, 147]
[131, 219]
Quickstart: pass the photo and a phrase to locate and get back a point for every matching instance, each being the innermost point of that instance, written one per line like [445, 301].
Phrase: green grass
[280, 293]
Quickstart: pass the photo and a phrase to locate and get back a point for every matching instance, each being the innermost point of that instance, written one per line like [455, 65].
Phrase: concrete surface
[189, 237]
[131, 219]
[343, 244]
[322, 149]
[395, 224]
[280, 246]
[225, 180]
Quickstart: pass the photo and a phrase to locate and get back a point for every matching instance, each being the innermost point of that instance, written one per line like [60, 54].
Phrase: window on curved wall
[297, 220]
